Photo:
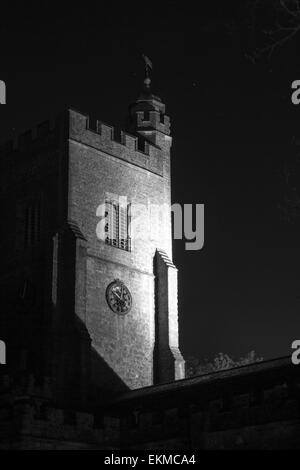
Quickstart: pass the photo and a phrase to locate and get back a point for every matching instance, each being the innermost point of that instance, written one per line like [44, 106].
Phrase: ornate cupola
[147, 114]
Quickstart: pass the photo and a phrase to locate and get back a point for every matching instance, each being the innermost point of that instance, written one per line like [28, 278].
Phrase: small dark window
[32, 224]
[28, 224]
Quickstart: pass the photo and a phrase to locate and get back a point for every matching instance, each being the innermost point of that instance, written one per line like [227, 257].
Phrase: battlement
[37, 135]
[133, 149]
[44, 423]
[27, 385]
[153, 119]
[26, 405]
[228, 409]
[136, 150]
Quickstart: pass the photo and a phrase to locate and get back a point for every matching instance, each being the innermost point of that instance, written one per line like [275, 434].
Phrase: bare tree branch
[286, 25]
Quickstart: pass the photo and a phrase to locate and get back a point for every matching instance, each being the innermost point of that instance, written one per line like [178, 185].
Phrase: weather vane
[148, 69]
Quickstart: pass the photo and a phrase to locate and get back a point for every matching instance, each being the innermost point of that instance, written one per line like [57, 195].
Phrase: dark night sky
[233, 125]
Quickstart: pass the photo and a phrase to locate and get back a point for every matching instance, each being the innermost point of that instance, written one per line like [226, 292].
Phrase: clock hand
[121, 298]
[117, 295]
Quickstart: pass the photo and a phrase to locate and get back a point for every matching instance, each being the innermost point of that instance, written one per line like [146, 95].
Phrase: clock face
[118, 297]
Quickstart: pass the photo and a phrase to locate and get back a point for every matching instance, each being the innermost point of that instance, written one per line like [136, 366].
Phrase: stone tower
[93, 240]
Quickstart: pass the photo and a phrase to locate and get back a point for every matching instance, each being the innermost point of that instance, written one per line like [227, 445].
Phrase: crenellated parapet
[43, 133]
[153, 119]
[24, 385]
[250, 407]
[135, 150]
[29, 417]
[51, 428]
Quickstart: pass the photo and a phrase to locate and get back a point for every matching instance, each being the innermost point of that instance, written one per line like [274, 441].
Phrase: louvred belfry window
[117, 224]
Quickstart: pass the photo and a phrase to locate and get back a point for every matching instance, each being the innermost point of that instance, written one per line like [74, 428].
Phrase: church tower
[119, 197]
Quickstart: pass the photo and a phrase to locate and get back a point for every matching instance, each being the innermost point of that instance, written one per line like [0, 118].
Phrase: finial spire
[148, 69]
